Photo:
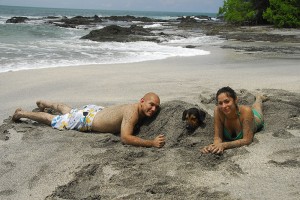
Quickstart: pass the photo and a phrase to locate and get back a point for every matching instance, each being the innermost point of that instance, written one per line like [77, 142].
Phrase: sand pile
[74, 165]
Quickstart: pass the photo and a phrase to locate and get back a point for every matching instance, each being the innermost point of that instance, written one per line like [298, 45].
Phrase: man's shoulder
[131, 112]
[131, 107]
[120, 106]
[121, 110]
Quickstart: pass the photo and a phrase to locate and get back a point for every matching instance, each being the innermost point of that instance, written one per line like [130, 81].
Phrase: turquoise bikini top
[232, 137]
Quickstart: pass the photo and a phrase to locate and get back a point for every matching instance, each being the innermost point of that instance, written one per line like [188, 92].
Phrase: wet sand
[38, 162]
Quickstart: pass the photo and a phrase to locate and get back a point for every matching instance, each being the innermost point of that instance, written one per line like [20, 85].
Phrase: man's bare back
[109, 119]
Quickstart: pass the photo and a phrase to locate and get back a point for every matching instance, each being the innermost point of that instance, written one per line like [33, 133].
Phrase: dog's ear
[184, 115]
[202, 115]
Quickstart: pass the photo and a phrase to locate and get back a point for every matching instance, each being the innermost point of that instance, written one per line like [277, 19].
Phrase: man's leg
[60, 107]
[40, 117]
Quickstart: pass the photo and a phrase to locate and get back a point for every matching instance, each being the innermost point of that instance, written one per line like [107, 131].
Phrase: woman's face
[226, 104]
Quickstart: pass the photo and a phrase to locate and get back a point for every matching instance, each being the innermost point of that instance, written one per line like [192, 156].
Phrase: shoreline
[252, 40]
[260, 41]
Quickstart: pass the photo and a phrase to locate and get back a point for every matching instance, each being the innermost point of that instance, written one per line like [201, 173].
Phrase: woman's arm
[218, 126]
[247, 125]
[218, 132]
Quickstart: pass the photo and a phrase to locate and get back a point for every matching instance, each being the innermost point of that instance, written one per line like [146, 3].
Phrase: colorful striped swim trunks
[77, 119]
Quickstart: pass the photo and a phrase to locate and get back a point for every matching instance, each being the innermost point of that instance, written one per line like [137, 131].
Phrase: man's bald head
[150, 104]
[151, 96]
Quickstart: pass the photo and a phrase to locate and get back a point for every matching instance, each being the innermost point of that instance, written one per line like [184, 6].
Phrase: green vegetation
[237, 11]
[281, 13]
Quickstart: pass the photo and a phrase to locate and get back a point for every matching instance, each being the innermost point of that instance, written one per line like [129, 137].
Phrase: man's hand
[159, 141]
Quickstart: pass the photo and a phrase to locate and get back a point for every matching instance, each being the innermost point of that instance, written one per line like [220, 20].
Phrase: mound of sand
[74, 165]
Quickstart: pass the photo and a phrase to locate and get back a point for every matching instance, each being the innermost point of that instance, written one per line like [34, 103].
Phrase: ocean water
[35, 44]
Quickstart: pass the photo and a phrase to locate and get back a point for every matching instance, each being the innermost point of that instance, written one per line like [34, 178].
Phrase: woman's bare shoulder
[245, 108]
[246, 111]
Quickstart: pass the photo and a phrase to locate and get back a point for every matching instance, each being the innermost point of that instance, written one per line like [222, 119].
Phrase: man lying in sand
[115, 119]
[234, 124]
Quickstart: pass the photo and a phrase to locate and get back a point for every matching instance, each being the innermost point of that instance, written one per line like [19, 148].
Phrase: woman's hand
[213, 148]
[217, 148]
[206, 149]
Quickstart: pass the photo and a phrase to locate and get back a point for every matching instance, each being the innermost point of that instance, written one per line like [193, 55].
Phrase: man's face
[150, 105]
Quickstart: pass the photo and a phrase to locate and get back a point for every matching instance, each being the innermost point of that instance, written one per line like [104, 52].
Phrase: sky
[206, 6]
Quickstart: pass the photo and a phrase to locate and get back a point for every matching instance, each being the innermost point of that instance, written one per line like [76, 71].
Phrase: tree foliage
[260, 6]
[283, 13]
[237, 11]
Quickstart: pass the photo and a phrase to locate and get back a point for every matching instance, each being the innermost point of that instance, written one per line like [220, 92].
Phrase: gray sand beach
[38, 162]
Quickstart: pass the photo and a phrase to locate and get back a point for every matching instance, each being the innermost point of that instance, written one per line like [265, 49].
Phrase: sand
[38, 162]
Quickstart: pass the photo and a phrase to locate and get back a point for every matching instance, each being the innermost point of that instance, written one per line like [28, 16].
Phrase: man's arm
[130, 119]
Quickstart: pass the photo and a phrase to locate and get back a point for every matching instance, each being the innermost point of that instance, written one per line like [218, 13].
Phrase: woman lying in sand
[234, 125]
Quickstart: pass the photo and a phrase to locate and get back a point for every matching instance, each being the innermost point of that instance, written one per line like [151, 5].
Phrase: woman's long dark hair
[228, 90]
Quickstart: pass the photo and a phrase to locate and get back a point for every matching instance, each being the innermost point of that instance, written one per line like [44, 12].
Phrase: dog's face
[193, 118]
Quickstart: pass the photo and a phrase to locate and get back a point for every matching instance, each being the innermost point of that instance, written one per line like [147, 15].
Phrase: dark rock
[51, 17]
[190, 46]
[17, 20]
[120, 34]
[187, 19]
[78, 20]
[129, 18]
[203, 17]
[145, 19]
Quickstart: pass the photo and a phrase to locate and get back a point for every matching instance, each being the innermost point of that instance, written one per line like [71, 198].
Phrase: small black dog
[193, 118]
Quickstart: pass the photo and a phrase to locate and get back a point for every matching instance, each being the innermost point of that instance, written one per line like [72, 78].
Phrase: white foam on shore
[35, 45]
[152, 26]
[196, 40]
[54, 53]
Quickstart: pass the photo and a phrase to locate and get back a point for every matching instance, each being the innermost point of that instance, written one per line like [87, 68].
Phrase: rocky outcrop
[129, 18]
[80, 20]
[187, 19]
[76, 21]
[121, 34]
[203, 17]
[17, 20]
